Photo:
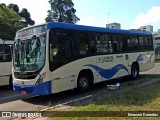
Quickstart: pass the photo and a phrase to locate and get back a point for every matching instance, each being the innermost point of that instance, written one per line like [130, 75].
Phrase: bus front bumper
[40, 89]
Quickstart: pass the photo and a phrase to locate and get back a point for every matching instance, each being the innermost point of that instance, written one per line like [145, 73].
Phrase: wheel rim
[135, 72]
[83, 82]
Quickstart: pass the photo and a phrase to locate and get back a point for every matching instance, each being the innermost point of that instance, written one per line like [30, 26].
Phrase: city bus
[6, 62]
[56, 57]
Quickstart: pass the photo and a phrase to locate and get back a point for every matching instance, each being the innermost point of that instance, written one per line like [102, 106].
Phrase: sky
[130, 14]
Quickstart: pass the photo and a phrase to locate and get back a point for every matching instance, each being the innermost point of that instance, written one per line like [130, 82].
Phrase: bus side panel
[65, 77]
[5, 73]
[112, 66]
[4, 80]
[145, 60]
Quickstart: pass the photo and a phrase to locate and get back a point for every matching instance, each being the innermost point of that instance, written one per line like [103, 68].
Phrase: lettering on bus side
[105, 59]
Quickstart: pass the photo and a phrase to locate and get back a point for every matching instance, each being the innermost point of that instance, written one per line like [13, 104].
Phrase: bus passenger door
[63, 77]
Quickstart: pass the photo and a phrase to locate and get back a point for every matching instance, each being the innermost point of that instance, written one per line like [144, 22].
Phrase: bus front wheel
[83, 83]
[134, 71]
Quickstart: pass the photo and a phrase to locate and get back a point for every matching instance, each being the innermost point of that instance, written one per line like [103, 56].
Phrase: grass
[157, 57]
[146, 98]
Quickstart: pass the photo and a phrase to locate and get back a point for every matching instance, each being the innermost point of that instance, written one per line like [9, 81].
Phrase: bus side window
[5, 53]
[117, 43]
[86, 43]
[91, 44]
[83, 48]
[133, 44]
[83, 43]
[115, 47]
[124, 43]
[104, 43]
[61, 44]
[64, 47]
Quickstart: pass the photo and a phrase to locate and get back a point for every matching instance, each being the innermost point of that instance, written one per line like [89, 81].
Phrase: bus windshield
[29, 54]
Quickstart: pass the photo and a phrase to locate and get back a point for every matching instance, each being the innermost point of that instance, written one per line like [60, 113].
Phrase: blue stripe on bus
[140, 57]
[108, 73]
[143, 57]
[40, 89]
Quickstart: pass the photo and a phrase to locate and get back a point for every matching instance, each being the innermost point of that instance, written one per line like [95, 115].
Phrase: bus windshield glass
[29, 54]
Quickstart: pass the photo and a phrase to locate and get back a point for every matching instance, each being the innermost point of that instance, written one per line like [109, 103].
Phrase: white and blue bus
[56, 57]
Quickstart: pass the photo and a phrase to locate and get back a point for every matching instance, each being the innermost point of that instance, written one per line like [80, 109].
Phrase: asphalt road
[12, 101]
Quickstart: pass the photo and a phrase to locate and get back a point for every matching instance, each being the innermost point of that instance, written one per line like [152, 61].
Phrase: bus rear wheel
[83, 83]
[134, 71]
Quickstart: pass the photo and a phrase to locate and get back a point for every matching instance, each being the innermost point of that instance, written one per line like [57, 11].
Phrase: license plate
[23, 92]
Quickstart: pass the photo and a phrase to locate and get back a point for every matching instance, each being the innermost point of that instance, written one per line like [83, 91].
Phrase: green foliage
[144, 98]
[62, 11]
[2, 5]
[9, 23]
[11, 20]
[14, 7]
[157, 57]
[26, 15]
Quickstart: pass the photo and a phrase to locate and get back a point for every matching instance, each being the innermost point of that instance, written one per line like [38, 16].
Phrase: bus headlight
[41, 78]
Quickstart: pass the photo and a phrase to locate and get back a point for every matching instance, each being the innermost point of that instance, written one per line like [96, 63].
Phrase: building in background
[147, 28]
[113, 25]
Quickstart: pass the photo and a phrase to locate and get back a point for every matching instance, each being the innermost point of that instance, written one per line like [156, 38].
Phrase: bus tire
[83, 83]
[134, 71]
[10, 83]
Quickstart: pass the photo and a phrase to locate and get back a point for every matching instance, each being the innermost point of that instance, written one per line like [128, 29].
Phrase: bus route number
[105, 59]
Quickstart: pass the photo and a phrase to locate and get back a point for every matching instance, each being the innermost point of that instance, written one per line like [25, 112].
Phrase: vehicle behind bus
[55, 57]
[157, 45]
[6, 62]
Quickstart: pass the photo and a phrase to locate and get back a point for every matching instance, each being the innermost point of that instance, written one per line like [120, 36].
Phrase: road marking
[65, 103]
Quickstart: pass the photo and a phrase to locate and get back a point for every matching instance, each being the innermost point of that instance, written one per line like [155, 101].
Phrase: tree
[14, 7]
[2, 5]
[62, 11]
[11, 20]
[9, 23]
[25, 15]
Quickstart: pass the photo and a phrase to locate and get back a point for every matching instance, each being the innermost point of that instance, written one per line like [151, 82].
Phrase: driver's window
[63, 48]
[61, 45]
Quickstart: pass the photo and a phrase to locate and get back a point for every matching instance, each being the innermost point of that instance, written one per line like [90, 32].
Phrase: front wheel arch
[84, 80]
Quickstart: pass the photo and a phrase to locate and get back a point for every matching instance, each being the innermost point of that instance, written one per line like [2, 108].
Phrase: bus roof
[49, 25]
[94, 29]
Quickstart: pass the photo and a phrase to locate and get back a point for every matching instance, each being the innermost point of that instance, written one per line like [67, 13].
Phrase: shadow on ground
[127, 95]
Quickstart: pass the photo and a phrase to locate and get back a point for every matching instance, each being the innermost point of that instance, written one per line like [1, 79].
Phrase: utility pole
[108, 17]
